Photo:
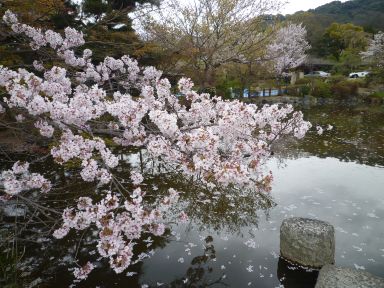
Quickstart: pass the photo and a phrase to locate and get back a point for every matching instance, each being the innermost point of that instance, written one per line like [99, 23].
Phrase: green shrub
[336, 79]
[304, 90]
[379, 95]
[293, 90]
[303, 81]
[321, 89]
[345, 89]
[375, 77]
[298, 90]
[361, 82]
[376, 98]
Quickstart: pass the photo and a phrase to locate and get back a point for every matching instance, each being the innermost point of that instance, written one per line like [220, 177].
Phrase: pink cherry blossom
[82, 272]
[217, 142]
[19, 179]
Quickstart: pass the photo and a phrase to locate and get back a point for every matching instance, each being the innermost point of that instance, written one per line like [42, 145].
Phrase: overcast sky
[304, 5]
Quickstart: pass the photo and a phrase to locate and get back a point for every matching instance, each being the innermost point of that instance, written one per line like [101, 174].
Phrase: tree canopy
[339, 38]
[203, 35]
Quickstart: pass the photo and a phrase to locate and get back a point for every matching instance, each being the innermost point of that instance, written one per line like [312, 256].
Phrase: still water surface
[337, 177]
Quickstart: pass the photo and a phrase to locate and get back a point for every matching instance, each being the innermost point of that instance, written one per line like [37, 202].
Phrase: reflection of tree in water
[357, 136]
[106, 277]
[197, 273]
[228, 212]
[26, 243]
[220, 210]
[48, 259]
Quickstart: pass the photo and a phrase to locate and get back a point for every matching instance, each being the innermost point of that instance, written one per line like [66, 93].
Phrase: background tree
[339, 38]
[375, 52]
[315, 26]
[55, 14]
[235, 75]
[40, 12]
[365, 13]
[106, 25]
[109, 30]
[349, 60]
[288, 48]
[203, 34]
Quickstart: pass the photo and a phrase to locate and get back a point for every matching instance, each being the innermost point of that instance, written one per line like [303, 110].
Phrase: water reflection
[196, 275]
[225, 212]
[358, 134]
[234, 240]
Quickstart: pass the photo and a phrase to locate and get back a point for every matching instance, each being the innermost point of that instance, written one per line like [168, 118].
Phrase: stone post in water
[307, 242]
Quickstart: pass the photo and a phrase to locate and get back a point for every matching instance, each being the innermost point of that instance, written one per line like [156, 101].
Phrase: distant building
[314, 64]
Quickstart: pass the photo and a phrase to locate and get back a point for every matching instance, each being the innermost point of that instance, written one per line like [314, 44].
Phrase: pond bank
[313, 101]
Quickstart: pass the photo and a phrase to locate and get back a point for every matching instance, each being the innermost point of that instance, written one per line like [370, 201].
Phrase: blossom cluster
[76, 147]
[288, 49]
[375, 51]
[82, 272]
[44, 128]
[120, 225]
[19, 179]
[40, 39]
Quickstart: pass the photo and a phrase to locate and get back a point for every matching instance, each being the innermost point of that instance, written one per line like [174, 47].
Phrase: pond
[234, 241]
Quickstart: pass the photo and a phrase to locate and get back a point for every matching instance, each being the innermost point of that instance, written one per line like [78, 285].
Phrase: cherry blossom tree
[202, 35]
[86, 110]
[288, 49]
[375, 51]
